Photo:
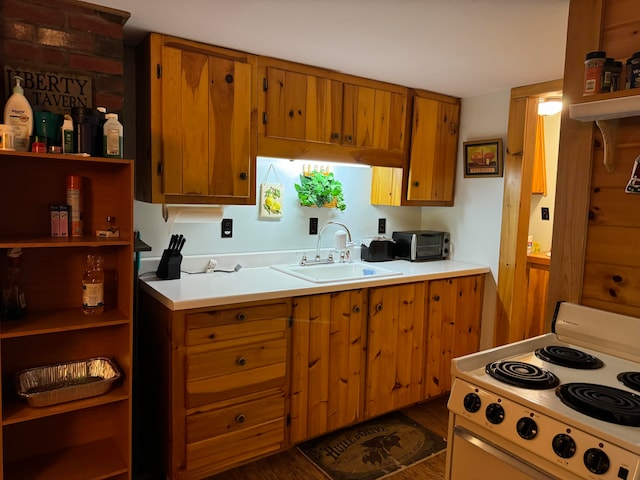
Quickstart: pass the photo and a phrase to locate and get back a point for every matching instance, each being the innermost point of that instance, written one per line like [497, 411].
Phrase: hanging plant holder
[319, 188]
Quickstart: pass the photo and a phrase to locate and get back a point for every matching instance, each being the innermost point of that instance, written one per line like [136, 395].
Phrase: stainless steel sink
[335, 272]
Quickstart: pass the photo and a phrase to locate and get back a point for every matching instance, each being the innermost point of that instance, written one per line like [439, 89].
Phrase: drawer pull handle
[241, 361]
[240, 419]
[241, 316]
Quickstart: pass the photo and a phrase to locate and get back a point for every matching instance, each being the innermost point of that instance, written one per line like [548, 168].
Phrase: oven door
[473, 457]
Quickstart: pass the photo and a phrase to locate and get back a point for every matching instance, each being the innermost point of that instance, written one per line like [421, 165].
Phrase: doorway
[511, 309]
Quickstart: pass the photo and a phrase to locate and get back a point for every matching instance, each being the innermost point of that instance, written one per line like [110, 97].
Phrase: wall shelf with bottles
[606, 110]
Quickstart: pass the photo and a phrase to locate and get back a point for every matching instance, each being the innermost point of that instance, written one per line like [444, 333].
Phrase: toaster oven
[421, 245]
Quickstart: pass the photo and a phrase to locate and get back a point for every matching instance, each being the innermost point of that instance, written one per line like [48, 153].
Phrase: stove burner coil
[568, 357]
[521, 374]
[630, 380]
[602, 402]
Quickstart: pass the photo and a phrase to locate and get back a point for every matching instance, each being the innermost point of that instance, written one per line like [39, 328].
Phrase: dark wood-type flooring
[292, 465]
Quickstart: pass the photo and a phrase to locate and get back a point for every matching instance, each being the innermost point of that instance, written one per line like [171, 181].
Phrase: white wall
[291, 232]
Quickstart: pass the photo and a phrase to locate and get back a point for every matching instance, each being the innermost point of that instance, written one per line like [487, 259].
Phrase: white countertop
[264, 283]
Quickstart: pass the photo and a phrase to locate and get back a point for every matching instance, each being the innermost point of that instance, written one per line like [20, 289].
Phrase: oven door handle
[498, 453]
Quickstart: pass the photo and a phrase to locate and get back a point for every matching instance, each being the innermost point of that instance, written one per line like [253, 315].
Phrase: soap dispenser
[19, 115]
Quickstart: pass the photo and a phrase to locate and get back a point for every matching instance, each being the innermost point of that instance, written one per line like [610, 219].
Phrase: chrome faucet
[344, 252]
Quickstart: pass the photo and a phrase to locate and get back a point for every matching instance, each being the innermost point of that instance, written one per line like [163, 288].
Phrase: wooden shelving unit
[88, 438]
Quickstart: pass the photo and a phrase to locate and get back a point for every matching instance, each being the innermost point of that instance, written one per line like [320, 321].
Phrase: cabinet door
[454, 312]
[373, 118]
[395, 347]
[302, 107]
[434, 146]
[206, 124]
[326, 363]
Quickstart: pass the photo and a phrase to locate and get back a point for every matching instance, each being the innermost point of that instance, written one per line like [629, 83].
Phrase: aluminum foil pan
[64, 382]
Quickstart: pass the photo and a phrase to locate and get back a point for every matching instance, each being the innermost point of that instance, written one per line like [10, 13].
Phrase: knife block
[169, 266]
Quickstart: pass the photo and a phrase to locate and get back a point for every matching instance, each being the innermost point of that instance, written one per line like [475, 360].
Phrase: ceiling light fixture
[549, 107]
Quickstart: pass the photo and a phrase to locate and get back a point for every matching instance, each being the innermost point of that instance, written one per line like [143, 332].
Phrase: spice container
[593, 66]
[634, 81]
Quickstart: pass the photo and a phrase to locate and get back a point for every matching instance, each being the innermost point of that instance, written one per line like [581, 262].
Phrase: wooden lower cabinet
[327, 342]
[215, 385]
[226, 385]
[395, 347]
[454, 308]
[538, 265]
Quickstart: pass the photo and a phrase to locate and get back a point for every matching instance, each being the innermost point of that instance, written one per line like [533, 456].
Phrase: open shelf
[61, 242]
[90, 461]
[59, 321]
[16, 410]
[606, 110]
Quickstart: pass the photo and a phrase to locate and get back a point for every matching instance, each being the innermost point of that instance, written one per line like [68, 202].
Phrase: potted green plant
[320, 189]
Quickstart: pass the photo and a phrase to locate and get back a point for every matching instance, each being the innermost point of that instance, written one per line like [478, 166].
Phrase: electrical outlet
[313, 226]
[227, 228]
[545, 213]
[382, 225]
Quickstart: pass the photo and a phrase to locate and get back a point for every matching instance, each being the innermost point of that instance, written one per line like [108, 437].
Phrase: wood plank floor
[292, 465]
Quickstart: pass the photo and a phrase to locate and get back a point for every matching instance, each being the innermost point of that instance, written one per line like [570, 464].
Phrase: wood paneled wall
[596, 259]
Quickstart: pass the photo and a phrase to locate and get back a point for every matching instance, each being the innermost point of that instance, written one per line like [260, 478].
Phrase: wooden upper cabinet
[373, 118]
[313, 113]
[429, 170]
[434, 148]
[302, 107]
[197, 135]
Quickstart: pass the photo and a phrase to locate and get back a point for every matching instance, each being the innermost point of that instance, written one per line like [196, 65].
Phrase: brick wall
[66, 37]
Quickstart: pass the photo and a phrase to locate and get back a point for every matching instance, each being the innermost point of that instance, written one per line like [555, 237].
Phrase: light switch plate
[545, 213]
[382, 225]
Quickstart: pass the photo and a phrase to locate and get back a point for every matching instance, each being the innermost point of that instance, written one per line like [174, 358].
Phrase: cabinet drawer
[217, 453]
[217, 374]
[267, 321]
[246, 412]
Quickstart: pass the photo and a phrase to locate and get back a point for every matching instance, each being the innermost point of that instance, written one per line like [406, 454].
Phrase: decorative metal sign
[55, 92]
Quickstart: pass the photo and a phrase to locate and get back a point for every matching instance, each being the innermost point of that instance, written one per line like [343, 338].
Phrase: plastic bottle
[74, 200]
[93, 285]
[67, 134]
[14, 305]
[112, 142]
[19, 114]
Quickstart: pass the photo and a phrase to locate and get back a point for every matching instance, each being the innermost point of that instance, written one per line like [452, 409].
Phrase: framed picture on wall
[483, 158]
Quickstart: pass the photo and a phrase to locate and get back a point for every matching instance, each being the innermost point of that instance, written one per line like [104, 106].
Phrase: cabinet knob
[240, 419]
[243, 176]
[416, 183]
[436, 298]
[229, 78]
[379, 307]
[241, 361]
[241, 316]
[356, 309]
[349, 138]
[335, 135]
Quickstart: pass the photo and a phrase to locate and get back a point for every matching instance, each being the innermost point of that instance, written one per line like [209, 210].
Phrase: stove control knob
[472, 402]
[527, 428]
[564, 445]
[596, 461]
[495, 413]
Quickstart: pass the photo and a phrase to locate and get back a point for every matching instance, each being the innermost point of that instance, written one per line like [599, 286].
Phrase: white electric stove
[564, 405]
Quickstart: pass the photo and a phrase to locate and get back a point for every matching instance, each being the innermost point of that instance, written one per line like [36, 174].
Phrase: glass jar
[93, 285]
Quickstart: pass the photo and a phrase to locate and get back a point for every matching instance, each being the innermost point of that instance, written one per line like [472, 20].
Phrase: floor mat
[373, 449]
